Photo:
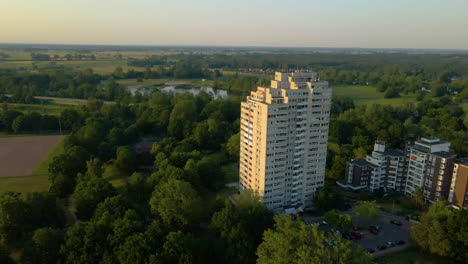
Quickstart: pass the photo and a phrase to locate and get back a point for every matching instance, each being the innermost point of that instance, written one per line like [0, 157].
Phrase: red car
[357, 235]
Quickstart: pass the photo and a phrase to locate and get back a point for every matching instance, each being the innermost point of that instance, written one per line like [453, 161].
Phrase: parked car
[381, 247]
[357, 235]
[374, 230]
[370, 250]
[390, 244]
[396, 222]
[324, 222]
[347, 236]
[401, 242]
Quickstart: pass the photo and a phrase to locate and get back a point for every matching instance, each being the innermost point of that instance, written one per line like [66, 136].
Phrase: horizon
[301, 24]
[228, 46]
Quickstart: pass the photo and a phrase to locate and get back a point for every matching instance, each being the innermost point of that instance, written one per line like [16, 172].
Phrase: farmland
[25, 162]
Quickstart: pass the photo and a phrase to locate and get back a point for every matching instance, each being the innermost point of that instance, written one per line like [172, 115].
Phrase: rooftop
[392, 152]
[463, 161]
[444, 154]
[361, 163]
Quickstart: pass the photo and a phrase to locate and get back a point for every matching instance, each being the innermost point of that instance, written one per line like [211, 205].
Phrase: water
[217, 94]
[138, 88]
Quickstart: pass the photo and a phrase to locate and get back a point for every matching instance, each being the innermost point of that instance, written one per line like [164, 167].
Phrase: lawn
[37, 181]
[50, 109]
[369, 95]
[410, 256]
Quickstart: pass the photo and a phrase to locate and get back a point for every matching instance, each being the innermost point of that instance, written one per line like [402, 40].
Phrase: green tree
[342, 222]
[12, 217]
[241, 227]
[233, 146]
[418, 198]
[5, 255]
[44, 247]
[325, 199]
[126, 160]
[182, 117]
[88, 194]
[420, 95]
[295, 242]
[367, 211]
[176, 202]
[443, 232]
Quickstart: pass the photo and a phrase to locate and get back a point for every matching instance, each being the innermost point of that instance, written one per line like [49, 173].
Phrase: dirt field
[20, 156]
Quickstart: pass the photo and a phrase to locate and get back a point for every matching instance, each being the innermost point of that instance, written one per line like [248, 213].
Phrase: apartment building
[358, 174]
[427, 165]
[419, 154]
[383, 169]
[438, 176]
[458, 195]
[284, 135]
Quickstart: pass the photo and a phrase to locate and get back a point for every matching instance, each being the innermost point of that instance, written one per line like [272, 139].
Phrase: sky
[441, 24]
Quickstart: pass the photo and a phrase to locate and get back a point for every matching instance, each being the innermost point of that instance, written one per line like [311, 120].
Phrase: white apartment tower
[283, 140]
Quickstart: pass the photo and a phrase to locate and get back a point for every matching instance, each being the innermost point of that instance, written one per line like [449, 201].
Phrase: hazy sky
[304, 23]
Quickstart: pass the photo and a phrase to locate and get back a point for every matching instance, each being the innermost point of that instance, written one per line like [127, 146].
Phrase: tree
[325, 200]
[418, 198]
[44, 247]
[176, 202]
[338, 168]
[420, 95]
[5, 255]
[12, 217]
[232, 146]
[367, 211]
[88, 194]
[126, 160]
[182, 117]
[391, 93]
[295, 242]
[241, 227]
[64, 168]
[135, 250]
[180, 248]
[342, 222]
[443, 232]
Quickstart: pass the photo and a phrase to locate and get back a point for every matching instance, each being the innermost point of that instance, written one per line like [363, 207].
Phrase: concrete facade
[419, 153]
[458, 195]
[283, 140]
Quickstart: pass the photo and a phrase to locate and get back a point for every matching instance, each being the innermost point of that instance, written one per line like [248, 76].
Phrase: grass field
[411, 256]
[50, 109]
[369, 95]
[37, 181]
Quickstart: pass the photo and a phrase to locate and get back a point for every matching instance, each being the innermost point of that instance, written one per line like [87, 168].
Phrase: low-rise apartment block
[383, 169]
[427, 164]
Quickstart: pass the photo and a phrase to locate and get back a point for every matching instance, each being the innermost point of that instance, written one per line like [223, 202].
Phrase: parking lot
[388, 232]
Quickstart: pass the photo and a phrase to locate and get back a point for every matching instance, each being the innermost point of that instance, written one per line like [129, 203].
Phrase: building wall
[437, 178]
[284, 135]
[458, 194]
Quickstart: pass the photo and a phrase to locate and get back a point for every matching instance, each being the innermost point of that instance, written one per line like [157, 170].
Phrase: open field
[37, 180]
[50, 109]
[369, 95]
[22, 155]
[103, 67]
